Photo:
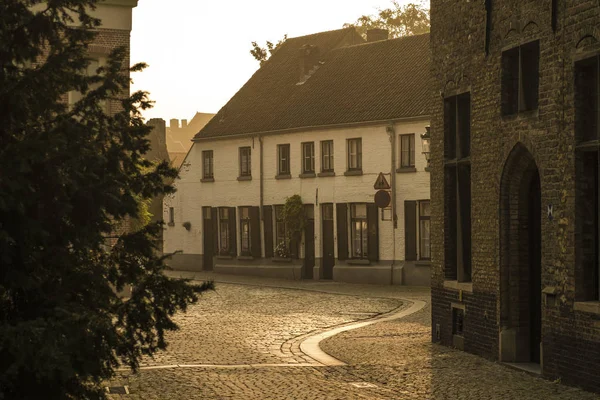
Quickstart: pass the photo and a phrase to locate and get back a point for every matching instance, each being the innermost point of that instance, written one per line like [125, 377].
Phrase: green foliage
[294, 216]
[262, 54]
[70, 176]
[411, 19]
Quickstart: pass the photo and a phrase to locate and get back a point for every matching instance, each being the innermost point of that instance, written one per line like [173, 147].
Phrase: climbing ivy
[294, 216]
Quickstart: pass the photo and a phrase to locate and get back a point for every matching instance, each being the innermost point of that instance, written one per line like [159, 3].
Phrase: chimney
[183, 123]
[377, 34]
[174, 123]
[309, 58]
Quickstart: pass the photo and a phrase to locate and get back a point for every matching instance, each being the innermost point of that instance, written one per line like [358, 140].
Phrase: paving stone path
[247, 331]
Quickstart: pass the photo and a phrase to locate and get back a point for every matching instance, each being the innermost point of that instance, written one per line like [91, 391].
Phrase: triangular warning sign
[381, 183]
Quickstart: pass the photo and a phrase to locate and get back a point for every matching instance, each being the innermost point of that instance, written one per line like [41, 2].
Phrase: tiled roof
[355, 83]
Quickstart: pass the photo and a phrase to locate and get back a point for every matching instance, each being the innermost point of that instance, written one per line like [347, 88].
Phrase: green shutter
[410, 230]
[373, 231]
[342, 230]
[215, 224]
[232, 232]
[268, 227]
[255, 232]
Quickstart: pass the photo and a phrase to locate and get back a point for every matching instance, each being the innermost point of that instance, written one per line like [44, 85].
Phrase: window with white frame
[407, 150]
[280, 227]
[283, 157]
[327, 156]
[355, 154]
[424, 230]
[207, 162]
[224, 239]
[308, 158]
[245, 161]
[245, 230]
[359, 231]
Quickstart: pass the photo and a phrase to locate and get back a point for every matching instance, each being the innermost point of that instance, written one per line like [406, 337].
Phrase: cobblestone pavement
[247, 325]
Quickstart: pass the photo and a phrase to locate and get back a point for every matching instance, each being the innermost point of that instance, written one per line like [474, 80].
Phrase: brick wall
[460, 64]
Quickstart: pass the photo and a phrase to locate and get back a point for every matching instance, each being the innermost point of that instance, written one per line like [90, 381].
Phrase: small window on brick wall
[520, 78]
[457, 190]
[587, 93]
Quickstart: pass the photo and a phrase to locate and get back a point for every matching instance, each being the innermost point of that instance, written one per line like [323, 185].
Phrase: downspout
[392, 133]
[261, 180]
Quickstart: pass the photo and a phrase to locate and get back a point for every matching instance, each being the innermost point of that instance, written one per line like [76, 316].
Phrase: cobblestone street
[239, 343]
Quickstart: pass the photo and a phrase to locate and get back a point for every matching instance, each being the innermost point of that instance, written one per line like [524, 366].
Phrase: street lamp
[426, 140]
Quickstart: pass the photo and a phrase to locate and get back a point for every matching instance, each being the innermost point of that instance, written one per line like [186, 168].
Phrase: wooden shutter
[232, 232]
[294, 243]
[215, 221]
[342, 230]
[410, 230]
[255, 232]
[373, 231]
[268, 227]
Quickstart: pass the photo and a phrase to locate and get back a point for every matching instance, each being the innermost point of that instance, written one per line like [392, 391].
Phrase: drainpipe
[392, 136]
[261, 180]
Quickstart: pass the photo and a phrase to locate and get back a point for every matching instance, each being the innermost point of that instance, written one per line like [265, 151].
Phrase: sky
[198, 51]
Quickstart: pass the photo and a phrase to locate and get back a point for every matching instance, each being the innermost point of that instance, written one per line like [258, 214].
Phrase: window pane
[463, 111]
[424, 209]
[529, 80]
[450, 128]
[359, 211]
[424, 234]
[510, 81]
[586, 100]
[328, 212]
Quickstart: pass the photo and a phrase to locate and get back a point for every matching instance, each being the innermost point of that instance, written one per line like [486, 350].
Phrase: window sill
[423, 263]
[464, 286]
[326, 173]
[526, 114]
[358, 262]
[402, 170]
[244, 178]
[171, 224]
[207, 180]
[224, 257]
[353, 172]
[592, 307]
[288, 176]
[307, 175]
[281, 260]
[245, 258]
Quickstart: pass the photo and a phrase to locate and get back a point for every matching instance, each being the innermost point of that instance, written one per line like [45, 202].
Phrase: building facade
[324, 129]
[514, 178]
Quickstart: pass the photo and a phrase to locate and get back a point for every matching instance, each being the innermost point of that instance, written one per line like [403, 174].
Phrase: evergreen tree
[69, 176]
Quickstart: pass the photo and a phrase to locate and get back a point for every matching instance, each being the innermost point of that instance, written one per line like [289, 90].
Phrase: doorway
[327, 255]
[521, 259]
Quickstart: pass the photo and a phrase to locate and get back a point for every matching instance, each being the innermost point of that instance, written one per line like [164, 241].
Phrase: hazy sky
[198, 50]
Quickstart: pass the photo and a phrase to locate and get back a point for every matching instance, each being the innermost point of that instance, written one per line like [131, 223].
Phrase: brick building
[322, 118]
[514, 183]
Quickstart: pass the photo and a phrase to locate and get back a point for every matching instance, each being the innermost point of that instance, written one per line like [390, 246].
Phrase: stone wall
[570, 339]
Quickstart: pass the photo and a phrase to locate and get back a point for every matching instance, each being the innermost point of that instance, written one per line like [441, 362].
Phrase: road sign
[382, 198]
[381, 183]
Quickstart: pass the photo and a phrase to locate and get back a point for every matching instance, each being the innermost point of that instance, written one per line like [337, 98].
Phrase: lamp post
[426, 141]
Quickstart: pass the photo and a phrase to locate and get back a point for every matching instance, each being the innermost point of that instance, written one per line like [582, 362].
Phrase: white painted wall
[228, 191]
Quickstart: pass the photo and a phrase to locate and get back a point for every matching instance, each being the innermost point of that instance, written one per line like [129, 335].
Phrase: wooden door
[208, 236]
[309, 243]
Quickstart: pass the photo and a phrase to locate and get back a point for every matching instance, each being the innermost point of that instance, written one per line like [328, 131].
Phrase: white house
[322, 119]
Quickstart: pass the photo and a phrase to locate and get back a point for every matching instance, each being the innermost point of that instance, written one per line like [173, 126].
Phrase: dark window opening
[458, 319]
[327, 156]
[171, 215]
[520, 78]
[283, 155]
[207, 162]
[281, 240]
[587, 93]
[457, 207]
[407, 150]
[354, 154]
[308, 157]
[488, 25]
[245, 161]
[554, 15]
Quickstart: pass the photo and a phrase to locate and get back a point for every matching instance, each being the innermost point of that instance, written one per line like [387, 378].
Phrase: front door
[327, 257]
[207, 258]
[309, 243]
[535, 269]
